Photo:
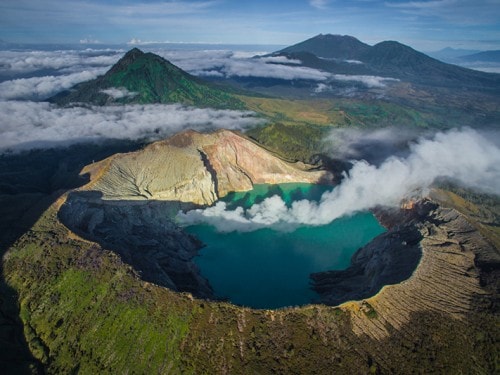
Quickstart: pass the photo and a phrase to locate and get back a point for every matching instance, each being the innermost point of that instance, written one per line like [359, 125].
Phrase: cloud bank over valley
[28, 77]
[52, 71]
[41, 88]
[28, 125]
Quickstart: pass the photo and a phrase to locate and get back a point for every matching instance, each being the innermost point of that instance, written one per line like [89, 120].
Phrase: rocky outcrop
[197, 168]
[434, 258]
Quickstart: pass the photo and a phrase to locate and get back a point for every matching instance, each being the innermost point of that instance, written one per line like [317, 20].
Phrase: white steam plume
[464, 156]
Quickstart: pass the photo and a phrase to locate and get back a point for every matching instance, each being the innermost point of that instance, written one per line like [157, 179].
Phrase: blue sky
[423, 24]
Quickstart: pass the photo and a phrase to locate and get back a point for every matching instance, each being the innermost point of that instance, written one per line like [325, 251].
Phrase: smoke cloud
[372, 145]
[27, 125]
[464, 156]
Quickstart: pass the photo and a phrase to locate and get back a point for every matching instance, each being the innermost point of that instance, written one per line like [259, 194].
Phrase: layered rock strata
[437, 261]
[197, 168]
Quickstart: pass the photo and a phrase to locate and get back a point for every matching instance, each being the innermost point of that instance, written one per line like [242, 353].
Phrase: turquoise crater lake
[269, 269]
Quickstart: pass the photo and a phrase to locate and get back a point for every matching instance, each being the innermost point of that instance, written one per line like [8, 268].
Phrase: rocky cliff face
[197, 168]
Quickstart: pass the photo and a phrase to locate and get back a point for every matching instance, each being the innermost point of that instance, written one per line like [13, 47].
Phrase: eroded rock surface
[197, 168]
[447, 260]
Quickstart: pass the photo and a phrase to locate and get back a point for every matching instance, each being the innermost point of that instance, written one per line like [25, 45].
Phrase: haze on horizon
[426, 25]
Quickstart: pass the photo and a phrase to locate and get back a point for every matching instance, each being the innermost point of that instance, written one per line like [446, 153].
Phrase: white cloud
[356, 62]
[369, 81]
[483, 66]
[89, 41]
[224, 63]
[40, 88]
[322, 87]
[136, 41]
[15, 62]
[464, 156]
[422, 5]
[119, 93]
[280, 60]
[26, 125]
[256, 68]
[319, 4]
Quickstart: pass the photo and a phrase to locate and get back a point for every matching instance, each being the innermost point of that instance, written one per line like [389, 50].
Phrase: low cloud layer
[70, 61]
[368, 81]
[223, 63]
[119, 93]
[41, 88]
[464, 156]
[230, 64]
[27, 125]
[48, 72]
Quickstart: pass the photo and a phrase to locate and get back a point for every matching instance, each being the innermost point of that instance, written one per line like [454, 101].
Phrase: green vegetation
[369, 311]
[85, 311]
[294, 142]
[297, 129]
[148, 78]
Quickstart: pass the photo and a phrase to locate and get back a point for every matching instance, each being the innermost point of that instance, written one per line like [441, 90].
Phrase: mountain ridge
[483, 56]
[388, 59]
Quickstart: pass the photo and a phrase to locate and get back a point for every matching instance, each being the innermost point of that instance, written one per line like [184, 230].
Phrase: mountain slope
[489, 56]
[400, 61]
[331, 46]
[335, 54]
[147, 78]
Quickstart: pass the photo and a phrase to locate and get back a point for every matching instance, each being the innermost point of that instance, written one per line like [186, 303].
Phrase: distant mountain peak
[335, 36]
[331, 46]
[392, 59]
[133, 54]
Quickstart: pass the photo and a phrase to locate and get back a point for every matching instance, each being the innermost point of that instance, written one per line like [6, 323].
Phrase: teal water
[270, 269]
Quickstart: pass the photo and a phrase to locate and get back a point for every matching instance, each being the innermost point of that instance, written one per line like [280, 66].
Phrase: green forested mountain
[147, 78]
